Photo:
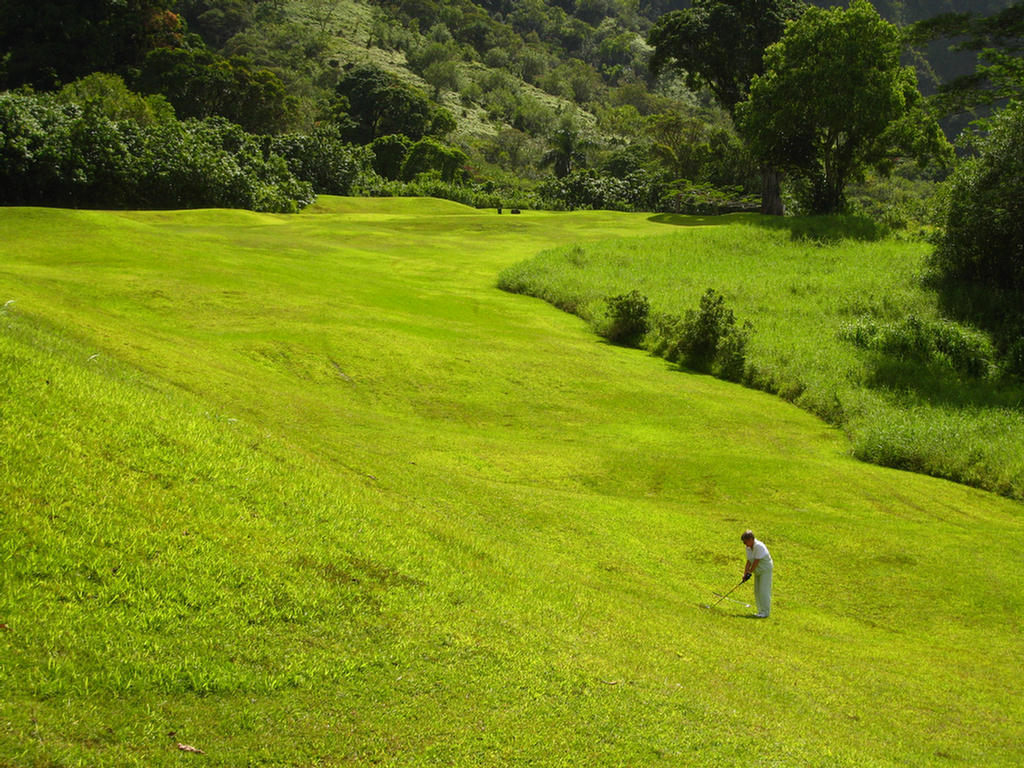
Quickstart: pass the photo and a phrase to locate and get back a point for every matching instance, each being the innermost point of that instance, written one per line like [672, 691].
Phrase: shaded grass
[801, 292]
[487, 542]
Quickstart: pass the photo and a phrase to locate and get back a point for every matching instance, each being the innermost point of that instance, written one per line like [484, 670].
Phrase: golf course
[312, 490]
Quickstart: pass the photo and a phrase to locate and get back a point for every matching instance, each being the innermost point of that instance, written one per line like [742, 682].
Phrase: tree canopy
[720, 43]
[48, 44]
[997, 40]
[983, 242]
[835, 100]
[380, 104]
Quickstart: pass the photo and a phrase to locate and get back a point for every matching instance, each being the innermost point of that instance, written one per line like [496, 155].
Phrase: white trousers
[763, 592]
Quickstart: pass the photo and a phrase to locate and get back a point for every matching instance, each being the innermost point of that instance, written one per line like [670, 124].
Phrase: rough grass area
[308, 490]
[810, 288]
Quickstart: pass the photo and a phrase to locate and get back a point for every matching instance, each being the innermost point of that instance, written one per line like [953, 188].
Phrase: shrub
[63, 154]
[704, 199]
[430, 155]
[707, 340]
[627, 318]
[323, 159]
[731, 352]
[589, 189]
[704, 329]
[389, 153]
[1013, 361]
[111, 97]
[431, 185]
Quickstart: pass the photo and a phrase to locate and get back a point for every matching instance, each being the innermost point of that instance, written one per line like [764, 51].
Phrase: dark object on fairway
[516, 210]
[499, 210]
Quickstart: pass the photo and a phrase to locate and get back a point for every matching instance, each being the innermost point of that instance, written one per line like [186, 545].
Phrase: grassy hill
[310, 490]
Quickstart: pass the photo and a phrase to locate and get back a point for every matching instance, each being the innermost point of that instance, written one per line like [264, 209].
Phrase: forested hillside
[521, 102]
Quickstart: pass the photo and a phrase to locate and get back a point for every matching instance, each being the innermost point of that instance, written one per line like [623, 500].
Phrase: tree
[381, 104]
[680, 144]
[834, 100]
[430, 155]
[983, 242]
[568, 148]
[202, 84]
[389, 153]
[998, 41]
[720, 44]
[110, 96]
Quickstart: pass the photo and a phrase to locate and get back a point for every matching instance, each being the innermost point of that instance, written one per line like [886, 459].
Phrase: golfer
[759, 564]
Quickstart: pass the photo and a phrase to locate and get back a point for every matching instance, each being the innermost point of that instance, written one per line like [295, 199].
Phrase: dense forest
[567, 104]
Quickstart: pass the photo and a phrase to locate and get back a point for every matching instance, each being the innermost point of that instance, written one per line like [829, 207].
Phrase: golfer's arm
[752, 565]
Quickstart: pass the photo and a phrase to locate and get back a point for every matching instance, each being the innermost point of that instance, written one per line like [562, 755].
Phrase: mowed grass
[800, 293]
[310, 490]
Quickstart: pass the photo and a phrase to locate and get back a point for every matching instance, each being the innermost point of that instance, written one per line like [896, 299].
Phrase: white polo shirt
[759, 552]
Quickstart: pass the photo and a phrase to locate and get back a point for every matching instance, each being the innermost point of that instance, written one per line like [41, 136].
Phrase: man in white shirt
[759, 564]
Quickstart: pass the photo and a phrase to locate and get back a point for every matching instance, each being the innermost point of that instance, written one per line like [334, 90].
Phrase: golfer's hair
[747, 535]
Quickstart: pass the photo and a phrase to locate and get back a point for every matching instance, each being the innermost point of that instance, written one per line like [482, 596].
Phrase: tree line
[754, 101]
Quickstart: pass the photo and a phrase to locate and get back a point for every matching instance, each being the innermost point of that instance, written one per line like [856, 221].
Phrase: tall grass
[843, 327]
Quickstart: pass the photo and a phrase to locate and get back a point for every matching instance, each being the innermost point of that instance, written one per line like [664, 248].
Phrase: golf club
[731, 599]
[724, 596]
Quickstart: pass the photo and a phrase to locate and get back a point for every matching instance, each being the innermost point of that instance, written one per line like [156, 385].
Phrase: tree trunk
[771, 192]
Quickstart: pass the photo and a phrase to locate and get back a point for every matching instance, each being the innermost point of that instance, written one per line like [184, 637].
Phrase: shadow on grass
[941, 386]
[825, 229]
[696, 220]
[819, 229]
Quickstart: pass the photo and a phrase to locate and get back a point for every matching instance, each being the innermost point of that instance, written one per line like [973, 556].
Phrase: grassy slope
[798, 295]
[326, 496]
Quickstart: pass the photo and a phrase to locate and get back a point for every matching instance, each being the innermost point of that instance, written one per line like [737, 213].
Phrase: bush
[706, 340]
[1013, 361]
[431, 185]
[321, 158]
[63, 154]
[589, 189]
[705, 199]
[627, 315]
[430, 155]
[389, 153]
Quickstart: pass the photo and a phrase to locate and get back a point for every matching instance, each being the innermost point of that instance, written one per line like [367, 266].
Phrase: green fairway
[310, 490]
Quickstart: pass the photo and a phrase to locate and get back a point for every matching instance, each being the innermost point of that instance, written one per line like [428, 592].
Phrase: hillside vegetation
[528, 104]
[308, 490]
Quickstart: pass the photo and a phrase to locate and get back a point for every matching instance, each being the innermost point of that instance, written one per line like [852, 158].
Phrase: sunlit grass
[800, 293]
[310, 491]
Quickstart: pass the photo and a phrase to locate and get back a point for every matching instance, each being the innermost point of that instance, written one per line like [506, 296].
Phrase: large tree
[834, 100]
[720, 44]
[199, 83]
[380, 104]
